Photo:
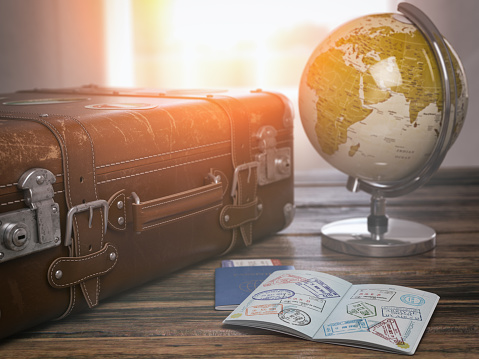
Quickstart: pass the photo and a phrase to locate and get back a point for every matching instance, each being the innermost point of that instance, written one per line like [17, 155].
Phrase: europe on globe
[371, 98]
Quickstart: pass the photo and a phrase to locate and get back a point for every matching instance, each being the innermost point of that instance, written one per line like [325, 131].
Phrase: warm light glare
[211, 43]
[218, 22]
[119, 52]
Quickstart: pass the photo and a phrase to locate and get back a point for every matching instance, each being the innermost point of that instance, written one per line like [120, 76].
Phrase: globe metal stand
[377, 235]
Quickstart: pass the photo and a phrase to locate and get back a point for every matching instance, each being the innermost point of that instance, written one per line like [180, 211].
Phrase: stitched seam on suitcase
[14, 184]
[160, 154]
[162, 169]
[181, 217]
[132, 160]
[23, 200]
[8, 185]
[12, 202]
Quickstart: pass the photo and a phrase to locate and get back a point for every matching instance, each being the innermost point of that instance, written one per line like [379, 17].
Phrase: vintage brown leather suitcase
[104, 189]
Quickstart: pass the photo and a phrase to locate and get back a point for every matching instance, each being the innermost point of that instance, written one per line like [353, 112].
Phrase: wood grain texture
[174, 316]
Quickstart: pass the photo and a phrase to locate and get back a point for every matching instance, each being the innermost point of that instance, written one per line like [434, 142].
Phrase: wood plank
[174, 316]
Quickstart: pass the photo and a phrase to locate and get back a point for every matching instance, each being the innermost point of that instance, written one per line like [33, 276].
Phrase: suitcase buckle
[245, 166]
[89, 206]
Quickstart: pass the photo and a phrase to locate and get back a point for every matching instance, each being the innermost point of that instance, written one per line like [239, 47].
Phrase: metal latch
[32, 229]
[274, 163]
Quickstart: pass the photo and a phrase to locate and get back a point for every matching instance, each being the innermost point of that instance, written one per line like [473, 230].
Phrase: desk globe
[382, 99]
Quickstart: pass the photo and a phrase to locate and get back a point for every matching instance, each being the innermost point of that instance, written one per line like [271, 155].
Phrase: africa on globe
[382, 99]
[371, 98]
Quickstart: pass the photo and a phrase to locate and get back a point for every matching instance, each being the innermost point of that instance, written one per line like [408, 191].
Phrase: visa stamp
[284, 279]
[346, 326]
[305, 301]
[402, 313]
[273, 294]
[264, 309]
[409, 330]
[361, 309]
[412, 299]
[374, 294]
[318, 288]
[388, 329]
[295, 317]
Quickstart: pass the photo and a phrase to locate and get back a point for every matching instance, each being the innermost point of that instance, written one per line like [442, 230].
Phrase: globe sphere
[371, 98]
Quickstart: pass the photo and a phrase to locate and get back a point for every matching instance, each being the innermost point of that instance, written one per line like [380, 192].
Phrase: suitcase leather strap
[80, 189]
[233, 216]
[240, 215]
[79, 180]
[69, 271]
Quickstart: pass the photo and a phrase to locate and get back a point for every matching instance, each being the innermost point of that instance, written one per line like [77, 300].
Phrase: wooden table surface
[175, 317]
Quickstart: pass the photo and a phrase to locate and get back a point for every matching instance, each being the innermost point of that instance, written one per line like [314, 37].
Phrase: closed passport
[234, 284]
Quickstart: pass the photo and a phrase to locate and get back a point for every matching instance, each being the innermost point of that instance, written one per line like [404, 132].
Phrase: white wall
[51, 43]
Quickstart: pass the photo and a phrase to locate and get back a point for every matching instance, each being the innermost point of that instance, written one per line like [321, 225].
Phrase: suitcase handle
[165, 210]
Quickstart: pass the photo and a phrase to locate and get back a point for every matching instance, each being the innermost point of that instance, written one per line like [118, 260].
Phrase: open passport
[324, 308]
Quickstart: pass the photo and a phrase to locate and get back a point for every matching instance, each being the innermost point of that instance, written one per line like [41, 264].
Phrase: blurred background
[212, 44]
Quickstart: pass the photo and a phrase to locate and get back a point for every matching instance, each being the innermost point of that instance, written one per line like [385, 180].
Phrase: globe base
[403, 238]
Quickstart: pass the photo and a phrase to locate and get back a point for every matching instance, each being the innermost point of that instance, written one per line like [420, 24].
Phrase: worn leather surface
[158, 153]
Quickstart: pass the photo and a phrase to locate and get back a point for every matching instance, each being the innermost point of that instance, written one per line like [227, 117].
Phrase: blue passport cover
[234, 284]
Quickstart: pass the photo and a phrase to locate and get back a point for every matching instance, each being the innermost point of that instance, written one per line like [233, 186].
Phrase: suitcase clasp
[33, 229]
[89, 206]
[274, 163]
[245, 166]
